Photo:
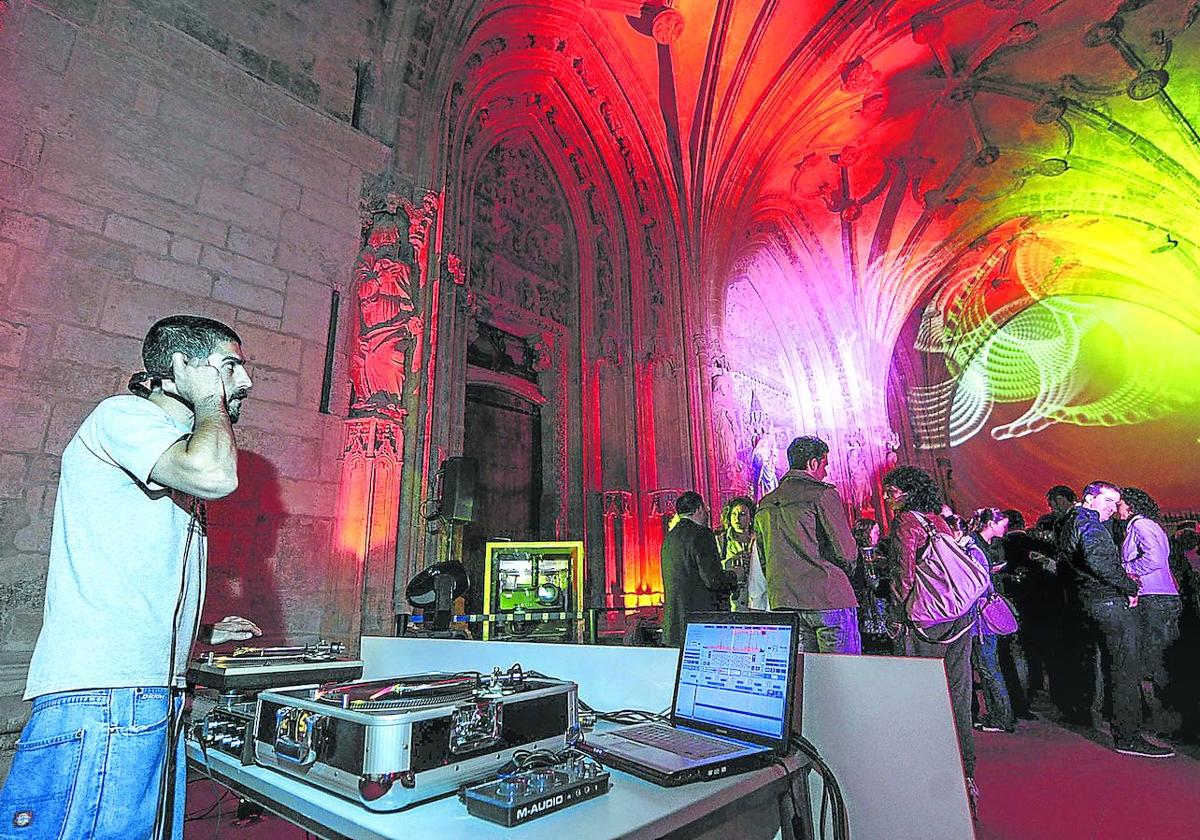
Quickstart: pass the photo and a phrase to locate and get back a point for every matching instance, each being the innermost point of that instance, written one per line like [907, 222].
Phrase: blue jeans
[89, 764]
[995, 693]
[830, 631]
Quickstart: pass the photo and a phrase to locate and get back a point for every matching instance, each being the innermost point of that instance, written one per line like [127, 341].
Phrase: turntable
[254, 668]
[391, 743]
[226, 722]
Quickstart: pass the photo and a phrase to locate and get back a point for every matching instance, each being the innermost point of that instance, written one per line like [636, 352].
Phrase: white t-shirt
[755, 596]
[117, 558]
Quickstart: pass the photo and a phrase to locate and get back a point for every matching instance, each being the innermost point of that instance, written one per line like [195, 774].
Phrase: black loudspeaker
[458, 489]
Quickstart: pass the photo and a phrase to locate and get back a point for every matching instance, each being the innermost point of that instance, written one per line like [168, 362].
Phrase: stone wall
[160, 156]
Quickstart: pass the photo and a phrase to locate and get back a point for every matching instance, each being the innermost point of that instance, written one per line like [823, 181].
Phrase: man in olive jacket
[810, 551]
[693, 580]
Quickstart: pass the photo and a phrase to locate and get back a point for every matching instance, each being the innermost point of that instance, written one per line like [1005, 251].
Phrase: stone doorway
[503, 432]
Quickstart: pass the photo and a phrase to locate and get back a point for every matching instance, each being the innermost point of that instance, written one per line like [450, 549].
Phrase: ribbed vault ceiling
[1031, 166]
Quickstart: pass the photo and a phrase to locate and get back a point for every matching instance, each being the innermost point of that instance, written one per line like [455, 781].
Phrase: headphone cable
[164, 816]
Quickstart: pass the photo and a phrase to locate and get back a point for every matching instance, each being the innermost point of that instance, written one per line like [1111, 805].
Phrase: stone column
[368, 507]
[618, 517]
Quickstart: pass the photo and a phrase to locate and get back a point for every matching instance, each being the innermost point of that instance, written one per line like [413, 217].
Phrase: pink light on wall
[801, 362]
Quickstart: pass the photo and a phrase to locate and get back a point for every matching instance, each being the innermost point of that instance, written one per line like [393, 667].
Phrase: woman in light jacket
[1146, 555]
[740, 555]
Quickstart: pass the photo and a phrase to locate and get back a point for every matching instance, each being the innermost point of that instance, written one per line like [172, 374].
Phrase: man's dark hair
[1140, 502]
[921, 493]
[805, 449]
[191, 335]
[1096, 486]
[1061, 490]
[688, 502]
[986, 516]
[862, 531]
[1016, 519]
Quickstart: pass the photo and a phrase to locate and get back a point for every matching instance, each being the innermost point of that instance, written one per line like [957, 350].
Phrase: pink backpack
[947, 583]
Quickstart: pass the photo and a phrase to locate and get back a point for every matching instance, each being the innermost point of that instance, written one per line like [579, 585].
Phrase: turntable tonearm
[254, 668]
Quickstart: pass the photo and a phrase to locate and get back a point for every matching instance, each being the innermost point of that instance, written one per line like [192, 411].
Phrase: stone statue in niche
[387, 326]
[890, 441]
[454, 268]
[610, 350]
[390, 268]
[764, 465]
[724, 431]
[859, 490]
[757, 418]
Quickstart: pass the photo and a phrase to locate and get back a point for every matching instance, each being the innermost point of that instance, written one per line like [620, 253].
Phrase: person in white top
[101, 756]
[740, 555]
[1145, 554]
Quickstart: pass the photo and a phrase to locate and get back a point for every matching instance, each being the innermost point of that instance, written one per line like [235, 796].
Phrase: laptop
[732, 706]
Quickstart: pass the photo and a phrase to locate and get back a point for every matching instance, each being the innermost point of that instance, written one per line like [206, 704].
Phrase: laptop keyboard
[679, 742]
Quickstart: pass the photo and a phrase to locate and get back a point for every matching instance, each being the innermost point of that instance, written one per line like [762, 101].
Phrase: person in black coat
[693, 580]
[1108, 597]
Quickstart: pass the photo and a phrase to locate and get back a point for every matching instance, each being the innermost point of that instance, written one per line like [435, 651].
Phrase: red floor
[1049, 783]
[1042, 783]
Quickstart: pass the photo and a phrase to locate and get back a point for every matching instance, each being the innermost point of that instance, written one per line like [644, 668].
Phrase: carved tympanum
[520, 241]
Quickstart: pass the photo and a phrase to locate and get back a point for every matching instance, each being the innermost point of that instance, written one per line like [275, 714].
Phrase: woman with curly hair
[1146, 556]
[739, 554]
[910, 492]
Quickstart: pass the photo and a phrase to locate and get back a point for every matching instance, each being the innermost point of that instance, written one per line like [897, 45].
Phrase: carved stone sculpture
[859, 490]
[389, 326]
[763, 465]
[724, 432]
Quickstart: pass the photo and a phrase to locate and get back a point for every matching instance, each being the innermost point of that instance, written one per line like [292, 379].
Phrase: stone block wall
[161, 156]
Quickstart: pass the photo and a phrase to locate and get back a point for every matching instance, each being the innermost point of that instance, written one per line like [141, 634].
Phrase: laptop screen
[736, 675]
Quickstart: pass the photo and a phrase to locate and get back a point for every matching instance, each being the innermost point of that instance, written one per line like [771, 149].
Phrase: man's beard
[234, 405]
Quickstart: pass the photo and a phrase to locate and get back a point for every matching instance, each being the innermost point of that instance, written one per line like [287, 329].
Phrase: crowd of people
[1095, 610]
[1104, 615]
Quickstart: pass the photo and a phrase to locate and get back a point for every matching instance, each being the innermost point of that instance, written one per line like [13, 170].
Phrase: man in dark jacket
[1065, 644]
[1061, 500]
[809, 551]
[693, 580]
[1108, 596]
[1032, 589]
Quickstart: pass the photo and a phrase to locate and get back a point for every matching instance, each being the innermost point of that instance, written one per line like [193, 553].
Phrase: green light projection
[1091, 322]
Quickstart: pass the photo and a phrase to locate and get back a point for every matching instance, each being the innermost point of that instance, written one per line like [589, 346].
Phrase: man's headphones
[143, 382]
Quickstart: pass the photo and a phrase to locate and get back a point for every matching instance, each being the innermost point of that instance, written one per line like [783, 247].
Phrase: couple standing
[806, 546]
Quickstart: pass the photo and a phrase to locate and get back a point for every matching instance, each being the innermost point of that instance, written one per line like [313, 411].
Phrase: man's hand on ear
[232, 628]
[196, 380]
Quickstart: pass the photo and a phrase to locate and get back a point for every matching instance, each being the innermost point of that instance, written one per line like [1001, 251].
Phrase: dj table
[751, 805]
